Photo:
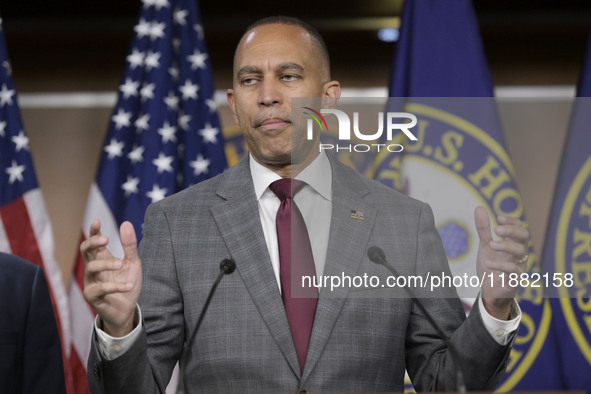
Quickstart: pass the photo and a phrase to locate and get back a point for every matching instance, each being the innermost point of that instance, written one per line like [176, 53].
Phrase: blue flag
[568, 242]
[440, 52]
[460, 160]
[164, 135]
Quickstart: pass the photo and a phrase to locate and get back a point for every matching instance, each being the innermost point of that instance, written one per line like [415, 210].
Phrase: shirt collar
[317, 175]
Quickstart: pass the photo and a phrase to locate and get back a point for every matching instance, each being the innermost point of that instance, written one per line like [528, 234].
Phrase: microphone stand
[227, 266]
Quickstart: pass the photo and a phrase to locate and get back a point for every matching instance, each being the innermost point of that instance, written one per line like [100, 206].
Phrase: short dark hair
[317, 39]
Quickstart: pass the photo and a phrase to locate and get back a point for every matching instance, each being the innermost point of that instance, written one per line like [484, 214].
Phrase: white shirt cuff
[500, 329]
[112, 347]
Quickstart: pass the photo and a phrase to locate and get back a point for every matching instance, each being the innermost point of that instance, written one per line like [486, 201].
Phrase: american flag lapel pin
[356, 214]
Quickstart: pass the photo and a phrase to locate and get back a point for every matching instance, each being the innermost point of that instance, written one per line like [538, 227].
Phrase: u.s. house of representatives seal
[459, 162]
[573, 254]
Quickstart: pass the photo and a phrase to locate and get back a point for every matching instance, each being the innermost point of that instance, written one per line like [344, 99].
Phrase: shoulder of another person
[14, 268]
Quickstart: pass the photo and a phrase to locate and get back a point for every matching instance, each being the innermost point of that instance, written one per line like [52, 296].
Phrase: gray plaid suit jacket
[361, 340]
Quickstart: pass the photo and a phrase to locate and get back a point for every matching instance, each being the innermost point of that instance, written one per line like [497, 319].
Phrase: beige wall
[534, 131]
[66, 143]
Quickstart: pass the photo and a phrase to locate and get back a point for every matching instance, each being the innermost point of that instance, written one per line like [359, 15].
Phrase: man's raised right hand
[111, 285]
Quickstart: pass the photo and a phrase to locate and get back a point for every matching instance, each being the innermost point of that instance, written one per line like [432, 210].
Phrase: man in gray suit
[149, 301]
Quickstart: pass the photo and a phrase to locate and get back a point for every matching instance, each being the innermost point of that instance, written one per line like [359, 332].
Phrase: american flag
[164, 135]
[25, 229]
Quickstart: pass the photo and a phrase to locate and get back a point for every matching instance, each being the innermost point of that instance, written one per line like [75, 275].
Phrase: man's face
[274, 63]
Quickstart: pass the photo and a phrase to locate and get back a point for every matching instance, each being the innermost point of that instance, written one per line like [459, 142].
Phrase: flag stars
[6, 95]
[122, 119]
[189, 90]
[156, 194]
[21, 141]
[209, 133]
[158, 4]
[2, 129]
[172, 101]
[179, 16]
[163, 163]
[152, 60]
[199, 29]
[200, 165]
[197, 60]
[183, 121]
[142, 123]
[114, 149]
[15, 172]
[135, 59]
[129, 88]
[147, 91]
[174, 72]
[173, 109]
[211, 105]
[7, 66]
[130, 186]
[167, 132]
[156, 30]
[143, 28]
[136, 155]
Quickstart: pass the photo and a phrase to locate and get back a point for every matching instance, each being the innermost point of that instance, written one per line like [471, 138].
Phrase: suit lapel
[346, 248]
[239, 223]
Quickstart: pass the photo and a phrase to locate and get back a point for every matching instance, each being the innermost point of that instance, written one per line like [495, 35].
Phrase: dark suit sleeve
[42, 353]
[428, 360]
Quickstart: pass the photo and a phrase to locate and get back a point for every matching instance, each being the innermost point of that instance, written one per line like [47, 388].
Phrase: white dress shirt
[315, 203]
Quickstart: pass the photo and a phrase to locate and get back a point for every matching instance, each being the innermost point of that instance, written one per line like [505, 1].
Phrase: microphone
[377, 255]
[227, 266]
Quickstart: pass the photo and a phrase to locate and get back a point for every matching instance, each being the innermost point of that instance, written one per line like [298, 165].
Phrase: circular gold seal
[573, 255]
[457, 164]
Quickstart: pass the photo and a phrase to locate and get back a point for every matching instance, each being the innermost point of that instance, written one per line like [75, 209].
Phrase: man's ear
[231, 104]
[332, 93]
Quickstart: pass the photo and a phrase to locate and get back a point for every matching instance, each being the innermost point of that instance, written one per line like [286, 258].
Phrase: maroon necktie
[295, 261]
